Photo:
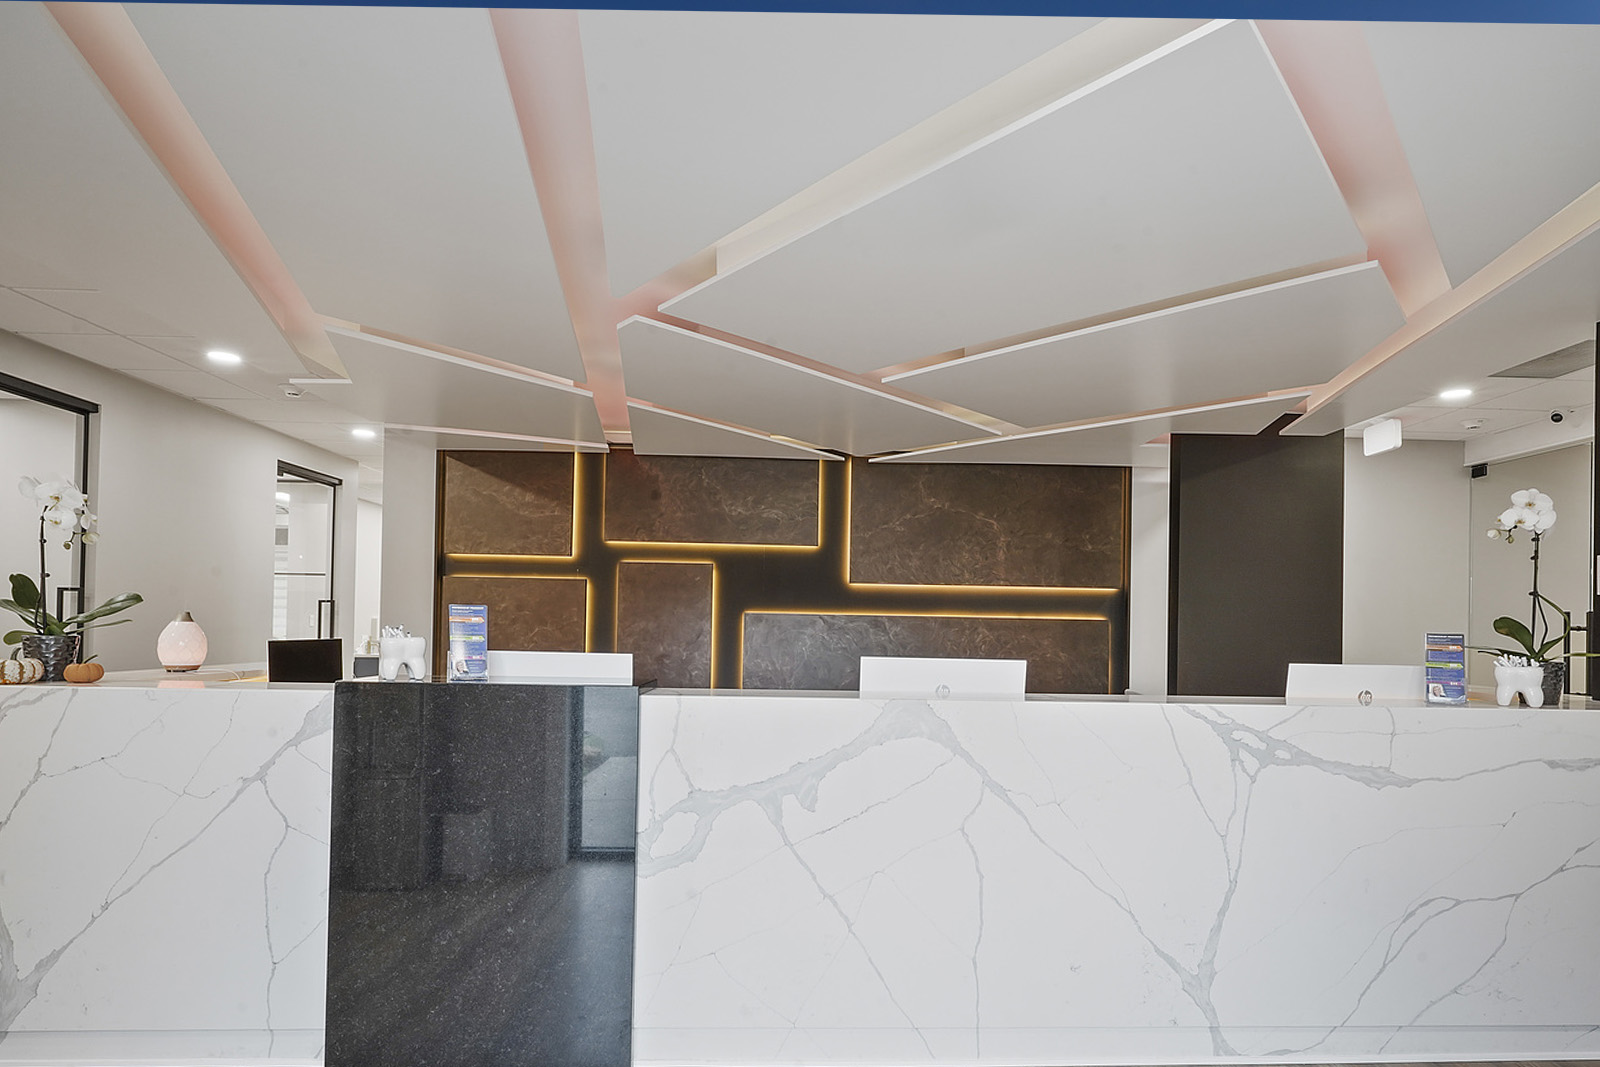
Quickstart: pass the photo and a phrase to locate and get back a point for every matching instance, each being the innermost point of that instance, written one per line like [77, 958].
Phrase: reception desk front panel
[833, 880]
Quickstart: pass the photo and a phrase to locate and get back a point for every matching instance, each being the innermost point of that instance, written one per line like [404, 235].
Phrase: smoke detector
[1474, 424]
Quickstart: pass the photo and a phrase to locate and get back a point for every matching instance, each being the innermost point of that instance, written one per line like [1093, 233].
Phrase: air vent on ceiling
[1557, 363]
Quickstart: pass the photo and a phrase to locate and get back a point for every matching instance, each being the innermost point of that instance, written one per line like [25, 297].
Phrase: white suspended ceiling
[1116, 215]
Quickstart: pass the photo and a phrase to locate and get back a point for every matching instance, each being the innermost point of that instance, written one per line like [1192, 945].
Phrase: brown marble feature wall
[953, 524]
[823, 651]
[514, 503]
[664, 619]
[710, 500]
[545, 614]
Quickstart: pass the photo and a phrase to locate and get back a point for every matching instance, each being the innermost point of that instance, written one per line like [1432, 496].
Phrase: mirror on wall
[42, 435]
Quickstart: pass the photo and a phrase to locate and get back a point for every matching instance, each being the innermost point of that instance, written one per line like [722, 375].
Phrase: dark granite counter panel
[481, 885]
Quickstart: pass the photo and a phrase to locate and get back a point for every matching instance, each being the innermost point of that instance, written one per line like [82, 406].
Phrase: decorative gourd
[21, 671]
[83, 672]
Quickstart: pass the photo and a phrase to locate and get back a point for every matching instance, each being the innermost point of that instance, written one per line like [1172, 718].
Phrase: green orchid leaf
[1545, 648]
[120, 602]
[1515, 630]
[15, 637]
[96, 625]
[24, 592]
[26, 614]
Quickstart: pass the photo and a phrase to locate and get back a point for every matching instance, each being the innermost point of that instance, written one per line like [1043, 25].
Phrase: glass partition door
[302, 578]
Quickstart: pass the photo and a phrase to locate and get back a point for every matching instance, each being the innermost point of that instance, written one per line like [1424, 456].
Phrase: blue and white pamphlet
[1445, 658]
[468, 635]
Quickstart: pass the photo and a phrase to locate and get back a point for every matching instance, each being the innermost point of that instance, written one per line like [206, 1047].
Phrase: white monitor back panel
[911, 676]
[1344, 683]
[573, 668]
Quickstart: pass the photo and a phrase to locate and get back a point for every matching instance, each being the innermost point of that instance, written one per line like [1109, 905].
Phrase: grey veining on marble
[849, 881]
[163, 873]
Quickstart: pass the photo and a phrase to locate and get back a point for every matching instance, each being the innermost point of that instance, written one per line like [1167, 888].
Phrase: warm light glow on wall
[790, 577]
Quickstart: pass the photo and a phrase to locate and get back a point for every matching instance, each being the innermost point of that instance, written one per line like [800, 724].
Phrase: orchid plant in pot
[63, 514]
[1531, 515]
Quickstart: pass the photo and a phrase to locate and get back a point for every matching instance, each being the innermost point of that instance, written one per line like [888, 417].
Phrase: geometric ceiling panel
[701, 375]
[772, 101]
[665, 433]
[1124, 443]
[1192, 172]
[1279, 336]
[398, 386]
[1498, 123]
[379, 150]
[108, 350]
[84, 201]
[486, 442]
[1550, 307]
[25, 313]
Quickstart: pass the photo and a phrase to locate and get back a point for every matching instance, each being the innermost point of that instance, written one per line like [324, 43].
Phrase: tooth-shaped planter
[1529, 681]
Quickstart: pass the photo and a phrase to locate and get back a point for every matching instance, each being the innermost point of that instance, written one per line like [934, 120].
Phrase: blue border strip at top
[1547, 11]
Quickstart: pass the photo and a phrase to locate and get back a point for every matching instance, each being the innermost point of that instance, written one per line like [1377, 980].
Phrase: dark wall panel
[823, 651]
[547, 614]
[952, 524]
[664, 619]
[710, 500]
[1257, 564]
[950, 561]
[507, 503]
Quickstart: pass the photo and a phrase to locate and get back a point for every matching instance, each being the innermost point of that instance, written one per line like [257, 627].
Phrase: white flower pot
[1529, 681]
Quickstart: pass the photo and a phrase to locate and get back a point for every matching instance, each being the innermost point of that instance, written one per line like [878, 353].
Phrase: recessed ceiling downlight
[224, 357]
[1455, 394]
[363, 433]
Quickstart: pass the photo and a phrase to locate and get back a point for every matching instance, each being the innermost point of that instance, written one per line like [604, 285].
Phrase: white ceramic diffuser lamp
[182, 644]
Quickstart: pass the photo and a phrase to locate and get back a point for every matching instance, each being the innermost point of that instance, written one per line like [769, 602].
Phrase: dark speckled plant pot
[55, 651]
[1555, 680]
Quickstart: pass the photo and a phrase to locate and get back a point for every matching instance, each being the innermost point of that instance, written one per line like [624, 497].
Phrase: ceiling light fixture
[363, 433]
[228, 359]
[1455, 394]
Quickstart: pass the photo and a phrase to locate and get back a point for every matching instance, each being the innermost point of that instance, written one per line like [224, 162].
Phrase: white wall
[409, 470]
[1150, 507]
[1502, 573]
[369, 568]
[1406, 535]
[185, 498]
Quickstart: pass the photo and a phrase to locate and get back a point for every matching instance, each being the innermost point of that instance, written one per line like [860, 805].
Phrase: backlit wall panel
[508, 502]
[824, 651]
[710, 500]
[664, 619]
[766, 573]
[950, 524]
[543, 613]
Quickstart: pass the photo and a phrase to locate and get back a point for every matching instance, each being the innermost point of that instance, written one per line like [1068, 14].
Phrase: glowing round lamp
[182, 644]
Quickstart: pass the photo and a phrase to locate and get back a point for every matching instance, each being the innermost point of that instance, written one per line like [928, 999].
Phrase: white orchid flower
[90, 538]
[1532, 498]
[87, 519]
[1511, 518]
[60, 518]
[60, 493]
[1545, 520]
[28, 487]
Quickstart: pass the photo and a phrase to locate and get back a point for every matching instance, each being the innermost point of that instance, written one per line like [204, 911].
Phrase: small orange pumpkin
[83, 672]
[21, 671]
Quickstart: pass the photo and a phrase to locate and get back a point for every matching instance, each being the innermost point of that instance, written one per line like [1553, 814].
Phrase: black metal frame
[306, 474]
[83, 409]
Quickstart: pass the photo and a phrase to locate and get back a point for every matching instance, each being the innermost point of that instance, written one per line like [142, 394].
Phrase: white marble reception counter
[164, 870]
[827, 879]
